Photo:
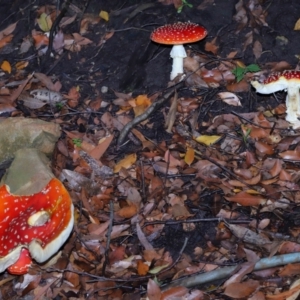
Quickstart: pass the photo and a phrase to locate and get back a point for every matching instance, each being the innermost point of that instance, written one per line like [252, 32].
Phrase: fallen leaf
[6, 67]
[45, 22]
[189, 156]
[102, 146]
[126, 162]
[127, 211]
[230, 98]
[207, 139]
[290, 155]
[245, 199]
[297, 25]
[104, 15]
[153, 290]
[20, 65]
[211, 46]
[241, 289]
[5, 40]
[8, 30]
[142, 268]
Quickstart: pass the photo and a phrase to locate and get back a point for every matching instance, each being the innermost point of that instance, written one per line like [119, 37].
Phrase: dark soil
[129, 61]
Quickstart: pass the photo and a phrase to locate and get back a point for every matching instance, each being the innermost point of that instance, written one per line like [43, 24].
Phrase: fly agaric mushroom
[178, 34]
[288, 81]
[38, 225]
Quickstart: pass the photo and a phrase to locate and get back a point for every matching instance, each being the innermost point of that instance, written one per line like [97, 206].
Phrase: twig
[53, 27]
[203, 278]
[108, 235]
[152, 108]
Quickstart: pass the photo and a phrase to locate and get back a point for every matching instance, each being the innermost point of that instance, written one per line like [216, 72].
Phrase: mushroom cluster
[288, 81]
[178, 34]
[33, 227]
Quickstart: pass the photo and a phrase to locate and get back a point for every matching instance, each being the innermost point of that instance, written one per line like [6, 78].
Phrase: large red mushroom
[178, 34]
[288, 81]
[33, 227]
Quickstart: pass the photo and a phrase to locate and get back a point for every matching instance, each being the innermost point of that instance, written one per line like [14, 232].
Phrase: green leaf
[239, 73]
[179, 9]
[77, 142]
[252, 68]
[45, 22]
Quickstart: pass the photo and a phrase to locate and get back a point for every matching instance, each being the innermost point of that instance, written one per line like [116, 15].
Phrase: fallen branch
[265, 263]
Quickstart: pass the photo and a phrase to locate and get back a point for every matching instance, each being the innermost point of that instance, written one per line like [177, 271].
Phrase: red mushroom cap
[178, 33]
[289, 75]
[40, 223]
[22, 265]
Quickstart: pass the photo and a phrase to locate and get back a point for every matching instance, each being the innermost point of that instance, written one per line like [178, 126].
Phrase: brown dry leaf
[248, 41]
[297, 25]
[241, 16]
[47, 81]
[163, 167]
[8, 30]
[117, 254]
[126, 162]
[73, 96]
[289, 247]
[5, 40]
[80, 40]
[211, 46]
[292, 293]
[204, 4]
[230, 98]
[290, 155]
[290, 270]
[102, 146]
[263, 148]
[241, 290]
[153, 290]
[171, 160]
[142, 268]
[40, 39]
[245, 199]
[15, 94]
[127, 211]
[257, 49]
[21, 65]
[238, 87]
[178, 292]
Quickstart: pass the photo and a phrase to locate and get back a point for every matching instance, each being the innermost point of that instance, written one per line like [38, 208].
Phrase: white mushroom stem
[178, 54]
[292, 98]
[292, 104]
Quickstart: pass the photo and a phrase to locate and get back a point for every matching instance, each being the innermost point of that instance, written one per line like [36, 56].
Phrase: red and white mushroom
[288, 81]
[33, 227]
[178, 34]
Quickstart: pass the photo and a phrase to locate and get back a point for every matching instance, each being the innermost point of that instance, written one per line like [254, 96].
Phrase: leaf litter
[205, 178]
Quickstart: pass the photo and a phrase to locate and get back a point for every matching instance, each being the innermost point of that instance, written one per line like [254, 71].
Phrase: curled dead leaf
[245, 199]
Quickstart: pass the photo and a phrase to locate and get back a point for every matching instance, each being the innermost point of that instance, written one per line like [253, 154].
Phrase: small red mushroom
[178, 34]
[38, 224]
[288, 81]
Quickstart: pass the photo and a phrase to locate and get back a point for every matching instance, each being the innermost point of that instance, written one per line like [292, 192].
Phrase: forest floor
[180, 188]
